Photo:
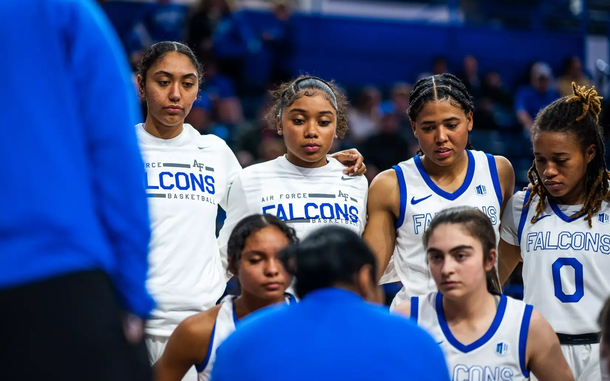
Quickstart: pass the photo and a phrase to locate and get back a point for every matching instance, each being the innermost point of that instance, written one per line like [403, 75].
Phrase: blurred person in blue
[532, 98]
[333, 334]
[74, 227]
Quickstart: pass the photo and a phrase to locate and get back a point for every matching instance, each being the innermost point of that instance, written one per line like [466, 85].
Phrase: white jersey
[305, 198]
[421, 199]
[498, 355]
[186, 179]
[225, 324]
[566, 264]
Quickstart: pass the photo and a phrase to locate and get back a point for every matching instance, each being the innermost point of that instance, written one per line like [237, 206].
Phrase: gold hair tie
[591, 102]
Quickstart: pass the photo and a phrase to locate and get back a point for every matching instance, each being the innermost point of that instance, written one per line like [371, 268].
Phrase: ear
[413, 127]
[232, 267]
[141, 86]
[590, 153]
[278, 125]
[470, 120]
[366, 285]
[493, 257]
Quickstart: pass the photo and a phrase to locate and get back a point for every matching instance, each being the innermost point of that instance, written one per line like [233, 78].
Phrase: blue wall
[361, 51]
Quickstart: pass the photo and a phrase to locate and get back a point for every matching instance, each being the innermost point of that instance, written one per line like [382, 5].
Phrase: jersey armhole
[414, 308]
[402, 186]
[523, 218]
[495, 178]
[525, 326]
[201, 367]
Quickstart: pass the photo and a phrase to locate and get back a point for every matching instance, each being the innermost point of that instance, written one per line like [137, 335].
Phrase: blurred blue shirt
[532, 101]
[333, 334]
[71, 191]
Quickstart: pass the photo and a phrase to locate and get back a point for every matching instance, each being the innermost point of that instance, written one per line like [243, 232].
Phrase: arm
[114, 156]
[507, 180]
[187, 346]
[237, 208]
[352, 159]
[383, 210]
[509, 257]
[403, 309]
[525, 119]
[543, 353]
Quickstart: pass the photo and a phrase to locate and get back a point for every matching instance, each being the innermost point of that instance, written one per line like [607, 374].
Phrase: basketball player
[560, 228]
[304, 188]
[252, 258]
[484, 334]
[404, 199]
[187, 178]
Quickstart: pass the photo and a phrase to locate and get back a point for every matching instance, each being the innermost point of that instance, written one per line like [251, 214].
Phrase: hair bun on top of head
[591, 102]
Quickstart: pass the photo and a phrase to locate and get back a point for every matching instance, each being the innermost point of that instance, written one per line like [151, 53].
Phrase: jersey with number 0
[186, 179]
[421, 199]
[225, 324]
[498, 355]
[566, 263]
[305, 198]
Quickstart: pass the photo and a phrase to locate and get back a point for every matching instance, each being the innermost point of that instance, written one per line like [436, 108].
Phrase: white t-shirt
[186, 179]
[566, 264]
[305, 198]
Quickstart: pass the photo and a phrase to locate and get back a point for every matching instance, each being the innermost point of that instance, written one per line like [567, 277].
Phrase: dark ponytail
[327, 257]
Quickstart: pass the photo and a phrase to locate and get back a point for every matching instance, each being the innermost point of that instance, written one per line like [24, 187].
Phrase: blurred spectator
[493, 89]
[398, 104]
[532, 98]
[439, 66]
[363, 117]
[278, 40]
[200, 114]
[387, 147]
[259, 142]
[226, 105]
[470, 76]
[572, 72]
[200, 29]
[497, 100]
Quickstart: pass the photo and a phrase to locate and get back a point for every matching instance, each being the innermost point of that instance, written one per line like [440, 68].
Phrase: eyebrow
[161, 72]
[554, 153]
[300, 110]
[453, 118]
[457, 248]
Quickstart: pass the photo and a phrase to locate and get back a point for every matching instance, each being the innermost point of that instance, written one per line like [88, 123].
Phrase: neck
[161, 131]
[469, 307]
[248, 303]
[293, 159]
[458, 165]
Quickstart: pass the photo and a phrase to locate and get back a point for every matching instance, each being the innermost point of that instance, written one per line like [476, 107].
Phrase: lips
[443, 152]
[552, 185]
[272, 286]
[173, 109]
[311, 148]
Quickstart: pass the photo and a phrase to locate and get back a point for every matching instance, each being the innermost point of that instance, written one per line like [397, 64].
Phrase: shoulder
[209, 140]
[195, 332]
[385, 190]
[270, 166]
[404, 308]
[504, 166]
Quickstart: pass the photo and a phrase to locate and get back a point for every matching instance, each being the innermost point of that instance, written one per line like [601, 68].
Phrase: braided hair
[437, 88]
[577, 115]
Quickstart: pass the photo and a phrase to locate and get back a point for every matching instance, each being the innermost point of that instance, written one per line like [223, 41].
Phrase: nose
[441, 135]
[550, 170]
[273, 267]
[174, 92]
[311, 129]
[448, 267]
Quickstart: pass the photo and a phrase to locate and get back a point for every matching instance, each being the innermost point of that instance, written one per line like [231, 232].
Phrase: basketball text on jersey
[184, 181]
[338, 208]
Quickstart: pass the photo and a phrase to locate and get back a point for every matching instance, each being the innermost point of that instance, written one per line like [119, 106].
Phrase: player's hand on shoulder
[353, 160]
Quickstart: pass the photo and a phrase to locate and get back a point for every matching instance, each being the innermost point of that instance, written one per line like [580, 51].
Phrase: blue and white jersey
[421, 199]
[498, 355]
[225, 324]
[305, 198]
[566, 263]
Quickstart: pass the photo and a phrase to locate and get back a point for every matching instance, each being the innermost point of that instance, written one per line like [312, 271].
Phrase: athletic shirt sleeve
[233, 169]
[509, 231]
[237, 209]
